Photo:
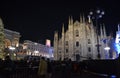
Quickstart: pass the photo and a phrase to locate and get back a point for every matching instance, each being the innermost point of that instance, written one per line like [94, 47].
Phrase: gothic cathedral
[79, 42]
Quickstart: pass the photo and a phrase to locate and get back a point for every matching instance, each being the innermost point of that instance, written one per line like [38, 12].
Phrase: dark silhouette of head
[43, 58]
[7, 58]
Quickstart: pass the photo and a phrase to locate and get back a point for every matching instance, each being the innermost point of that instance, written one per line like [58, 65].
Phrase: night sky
[36, 20]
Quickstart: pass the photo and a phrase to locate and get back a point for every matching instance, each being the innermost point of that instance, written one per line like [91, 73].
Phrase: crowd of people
[46, 68]
[7, 67]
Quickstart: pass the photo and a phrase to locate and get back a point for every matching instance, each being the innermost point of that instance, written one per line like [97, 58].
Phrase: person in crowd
[9, 67]
[67, 68]
[49, 68]
[1, 68]
[118, 66]
[42, 70]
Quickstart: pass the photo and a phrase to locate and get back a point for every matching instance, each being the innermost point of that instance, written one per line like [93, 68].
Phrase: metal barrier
[25, 72]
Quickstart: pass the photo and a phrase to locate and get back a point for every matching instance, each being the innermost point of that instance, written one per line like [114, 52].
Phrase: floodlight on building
[107, 48]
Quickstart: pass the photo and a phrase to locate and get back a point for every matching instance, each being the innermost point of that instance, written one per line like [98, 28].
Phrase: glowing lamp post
[11, 53]
[36, 52]
[107, 49]
[12, 48]
[97, 14]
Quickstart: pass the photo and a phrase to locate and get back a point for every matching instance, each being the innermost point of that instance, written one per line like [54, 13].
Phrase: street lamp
[95, 15]
[107, 49]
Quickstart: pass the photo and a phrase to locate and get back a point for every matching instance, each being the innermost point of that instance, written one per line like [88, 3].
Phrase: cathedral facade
[79, 42]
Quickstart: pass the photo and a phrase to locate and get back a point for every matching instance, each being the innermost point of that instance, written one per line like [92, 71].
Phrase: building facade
[79, 41]
[11, 43]
[11, 38]
[16, 50]
[36, 49]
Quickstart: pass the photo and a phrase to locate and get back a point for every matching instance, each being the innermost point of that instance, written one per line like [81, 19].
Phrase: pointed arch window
[66, 43]
[89, 49]
[89, 42]
[77, 33]
[66, 50]
[59, 51]
[77, 44]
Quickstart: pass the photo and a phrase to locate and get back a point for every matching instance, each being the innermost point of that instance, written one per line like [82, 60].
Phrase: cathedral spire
[69, 22]
[104, 30]
[101, 31]
[56, 45]
[83, 18]
[89, 19]
[56, 36]
[71, 19]
[118, 27]
[63, 29]
[80, 18]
